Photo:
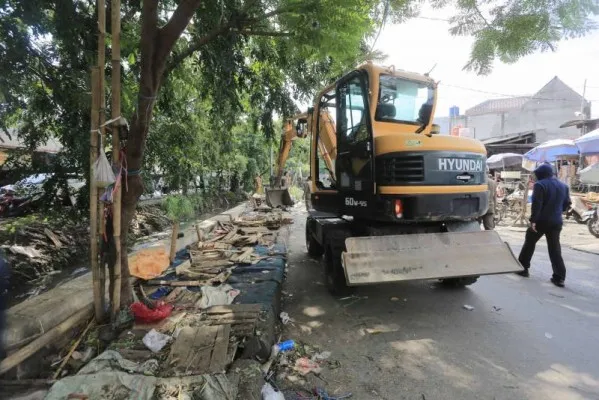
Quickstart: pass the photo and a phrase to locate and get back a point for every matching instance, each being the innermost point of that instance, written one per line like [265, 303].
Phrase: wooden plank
[234, 308]
[199, 350]
[52, 236]
[219, 360]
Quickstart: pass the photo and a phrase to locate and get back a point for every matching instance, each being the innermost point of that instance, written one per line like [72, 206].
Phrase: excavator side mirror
[425, 113]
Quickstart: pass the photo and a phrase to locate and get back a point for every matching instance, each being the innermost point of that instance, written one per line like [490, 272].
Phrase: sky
[420, 43]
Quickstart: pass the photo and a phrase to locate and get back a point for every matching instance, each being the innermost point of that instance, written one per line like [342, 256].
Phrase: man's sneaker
[557, 282]
[524, 273]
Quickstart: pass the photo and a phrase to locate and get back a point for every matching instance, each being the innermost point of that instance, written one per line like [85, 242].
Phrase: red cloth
[143, 314]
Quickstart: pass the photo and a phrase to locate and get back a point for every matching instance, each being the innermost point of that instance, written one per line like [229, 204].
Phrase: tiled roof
[498, 105]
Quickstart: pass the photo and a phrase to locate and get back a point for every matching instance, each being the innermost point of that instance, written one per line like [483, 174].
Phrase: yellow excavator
[392, 200]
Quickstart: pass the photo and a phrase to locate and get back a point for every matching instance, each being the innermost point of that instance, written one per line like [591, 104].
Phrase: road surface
[524, 339]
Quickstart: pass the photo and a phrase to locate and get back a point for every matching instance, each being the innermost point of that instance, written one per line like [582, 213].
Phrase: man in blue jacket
[550, 199]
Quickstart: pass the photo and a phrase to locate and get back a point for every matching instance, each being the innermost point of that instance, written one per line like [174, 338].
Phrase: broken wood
[235, 308]
[172, 296]
[47, 338]
[156, 282]
[73, 348]
[52, 236]
[200, 233]
[199, 350]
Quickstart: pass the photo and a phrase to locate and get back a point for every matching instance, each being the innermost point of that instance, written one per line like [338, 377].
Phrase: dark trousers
[488, 222]
[552, 234]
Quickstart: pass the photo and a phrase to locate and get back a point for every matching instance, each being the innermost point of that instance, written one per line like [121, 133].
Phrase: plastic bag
[145, 315]
[103, 173]
[155, 340]
[269, 393]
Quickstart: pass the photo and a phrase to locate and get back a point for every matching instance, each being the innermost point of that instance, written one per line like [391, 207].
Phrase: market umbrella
[589, 143]
[503, 160]
[552, 150]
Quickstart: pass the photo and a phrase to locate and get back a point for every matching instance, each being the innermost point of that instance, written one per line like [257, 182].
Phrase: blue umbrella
[589, 143]
[552, 150]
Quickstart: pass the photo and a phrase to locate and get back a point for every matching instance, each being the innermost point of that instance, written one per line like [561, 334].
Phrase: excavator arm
[300, 126]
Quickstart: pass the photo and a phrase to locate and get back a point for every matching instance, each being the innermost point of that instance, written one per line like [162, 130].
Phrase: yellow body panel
[390, 142]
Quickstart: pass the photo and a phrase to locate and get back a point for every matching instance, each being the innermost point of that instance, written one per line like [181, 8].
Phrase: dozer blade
[278, 198]
[395, 258]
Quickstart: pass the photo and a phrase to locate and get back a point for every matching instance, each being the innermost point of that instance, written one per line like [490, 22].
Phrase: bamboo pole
[174, 235]
[93, 197]
[102, 115]
[116, 147]
[72, 350]
[47, 338]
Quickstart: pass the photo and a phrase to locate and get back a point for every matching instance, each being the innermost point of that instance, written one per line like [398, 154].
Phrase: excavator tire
[333, 269]
[459, 282]
[315, 250]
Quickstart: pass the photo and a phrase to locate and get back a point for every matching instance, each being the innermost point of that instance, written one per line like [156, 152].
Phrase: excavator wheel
[459, 282]
[333, 272]
[315, 250]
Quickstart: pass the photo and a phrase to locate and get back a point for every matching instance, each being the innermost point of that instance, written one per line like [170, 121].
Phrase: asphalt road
[524, 339]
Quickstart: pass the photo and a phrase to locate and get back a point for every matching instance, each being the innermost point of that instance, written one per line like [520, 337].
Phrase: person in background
[308, 192]
[550, 199]
[4, 278]
[489, 218]
[285, 179]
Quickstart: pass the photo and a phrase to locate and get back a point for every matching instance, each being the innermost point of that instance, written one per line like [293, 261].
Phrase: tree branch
[170, 33]
[149, 21]
[251, 32]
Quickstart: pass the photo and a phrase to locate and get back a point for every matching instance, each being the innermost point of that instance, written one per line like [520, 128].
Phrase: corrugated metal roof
[498, 105]
[14, 142]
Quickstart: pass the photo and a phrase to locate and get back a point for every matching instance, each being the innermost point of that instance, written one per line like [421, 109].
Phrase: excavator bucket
[278, 197]
[377, 259]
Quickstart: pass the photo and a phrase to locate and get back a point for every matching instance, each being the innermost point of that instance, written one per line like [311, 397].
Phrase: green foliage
[510, 30]
[178, 208]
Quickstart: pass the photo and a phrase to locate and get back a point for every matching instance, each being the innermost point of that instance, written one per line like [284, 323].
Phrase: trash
[144, 314]
[495, 308]
[324, 355]
[155, 340]
[322, 394]
[382, 328]
[468, 307]
[217, 296]
[28, 251]
[285, 318]
[285, 346]
[548, 335]
[304, 366]
[394, 299]
[269, 393]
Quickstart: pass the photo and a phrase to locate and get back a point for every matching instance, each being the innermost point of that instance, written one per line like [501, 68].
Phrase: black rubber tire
[459, 282]
[315, 250]
[333, 273]
[577, 218]
[591, 223]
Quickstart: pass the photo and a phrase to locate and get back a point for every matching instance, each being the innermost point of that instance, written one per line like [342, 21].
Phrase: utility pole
[583, 108]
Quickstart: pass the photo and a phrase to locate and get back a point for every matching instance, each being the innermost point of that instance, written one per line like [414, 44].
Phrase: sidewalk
[36, 315]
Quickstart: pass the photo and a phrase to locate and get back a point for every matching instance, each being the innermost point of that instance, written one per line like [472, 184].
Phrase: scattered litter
[556, 295]
[269, 393]
[217, 296]
[322, 394]
[285, 318]
[394, 299]
[467, 307]
[155, 340]
[548, 335]
[381, 329]
[304, 366]
[28, 251]
[405, 299]
[495, 308]
[144, 314]
[285, 346]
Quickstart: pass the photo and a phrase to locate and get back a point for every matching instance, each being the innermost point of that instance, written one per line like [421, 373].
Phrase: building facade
[542, 113]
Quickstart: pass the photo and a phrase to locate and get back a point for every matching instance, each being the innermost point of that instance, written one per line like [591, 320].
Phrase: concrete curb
[36, 315]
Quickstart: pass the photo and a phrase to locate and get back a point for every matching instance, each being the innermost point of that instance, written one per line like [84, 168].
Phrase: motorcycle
[593, 222]
[580, 210]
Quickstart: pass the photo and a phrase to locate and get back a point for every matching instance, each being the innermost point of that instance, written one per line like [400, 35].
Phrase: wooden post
[521, 219]
[93, 197]
[174, 235]
[102, 116]
[116, 148]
